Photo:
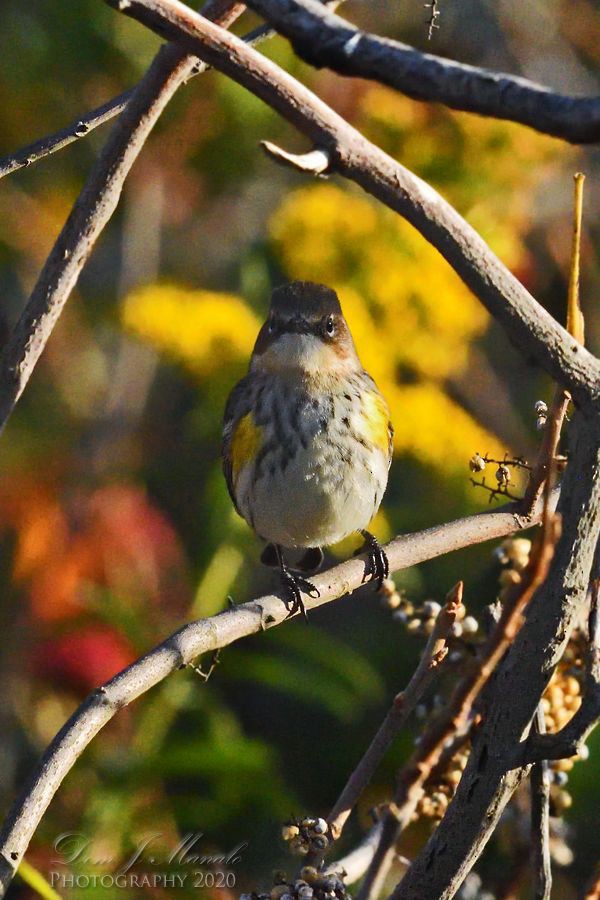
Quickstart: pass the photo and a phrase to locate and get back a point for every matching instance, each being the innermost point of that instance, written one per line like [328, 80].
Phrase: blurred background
[115, 523]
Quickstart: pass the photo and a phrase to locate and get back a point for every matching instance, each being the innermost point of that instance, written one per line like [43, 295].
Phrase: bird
[307, 439]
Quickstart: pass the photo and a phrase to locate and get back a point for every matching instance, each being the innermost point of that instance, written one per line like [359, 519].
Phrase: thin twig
[324, 39]
[530, 326]
[434, 14]
[540, 820]
[202, 637]
[575, 327]
[404, 703]
[89, 121]
[82, 126]
[455, 716]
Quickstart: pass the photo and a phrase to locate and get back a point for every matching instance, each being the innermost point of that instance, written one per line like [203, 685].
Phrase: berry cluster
[311, 885]
[441, 787]
[308, 835]
[420, 619]
[560, 702]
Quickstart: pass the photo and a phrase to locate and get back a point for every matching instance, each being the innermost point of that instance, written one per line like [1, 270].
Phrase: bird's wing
[237, 408]
[378, 419]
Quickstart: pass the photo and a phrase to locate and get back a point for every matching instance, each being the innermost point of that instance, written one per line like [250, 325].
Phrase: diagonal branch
[325, 40]
[93, 208]
[404, 703]
[454, 716]
[89, 121]
[527, 323]
[30, 154]
[208, 635]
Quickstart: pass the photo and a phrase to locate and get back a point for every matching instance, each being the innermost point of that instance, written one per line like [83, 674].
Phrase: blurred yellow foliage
[412, 318]
[400, 287]
[474, 157]
[205, 331]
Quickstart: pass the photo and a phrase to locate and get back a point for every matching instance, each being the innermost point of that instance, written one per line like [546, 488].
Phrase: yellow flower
[204, 331]
[419, 312]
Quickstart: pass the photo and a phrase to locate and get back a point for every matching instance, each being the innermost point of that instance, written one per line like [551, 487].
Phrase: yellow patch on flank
[245, 443]
[376, 418]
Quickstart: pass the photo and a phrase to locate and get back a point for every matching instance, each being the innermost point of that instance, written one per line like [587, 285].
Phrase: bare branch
[455, 715]
[208, 635]
[30, 154]
[531, 328]
[492, 774]
[326, 40]
[93, 208]
[404, 703]
[540, 820]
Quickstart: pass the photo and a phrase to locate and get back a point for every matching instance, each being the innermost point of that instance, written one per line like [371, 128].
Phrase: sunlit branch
[324, 39]
[527, 323]
[209, 635]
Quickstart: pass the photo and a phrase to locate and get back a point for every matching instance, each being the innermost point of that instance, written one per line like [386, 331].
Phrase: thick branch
[326, 40]
[531, 328]
[490, 777]
[207, 635]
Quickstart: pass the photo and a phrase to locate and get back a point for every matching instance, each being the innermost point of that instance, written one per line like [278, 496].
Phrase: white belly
[323, 494]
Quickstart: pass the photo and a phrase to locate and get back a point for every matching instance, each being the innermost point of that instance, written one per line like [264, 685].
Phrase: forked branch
[534, 331]
[205, 636]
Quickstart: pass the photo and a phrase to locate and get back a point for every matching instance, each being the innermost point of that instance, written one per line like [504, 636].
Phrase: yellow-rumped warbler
[307, 437]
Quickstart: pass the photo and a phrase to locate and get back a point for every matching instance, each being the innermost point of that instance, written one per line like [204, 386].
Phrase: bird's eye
[271, 325]
[330, 325]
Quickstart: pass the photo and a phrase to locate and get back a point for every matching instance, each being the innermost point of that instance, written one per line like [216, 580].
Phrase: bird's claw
[293, 586]
[377, 566]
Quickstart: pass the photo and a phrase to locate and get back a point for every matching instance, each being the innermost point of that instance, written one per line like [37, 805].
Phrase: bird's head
[305, 331]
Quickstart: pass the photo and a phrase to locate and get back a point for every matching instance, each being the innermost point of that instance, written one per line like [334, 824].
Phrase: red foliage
[82, 659]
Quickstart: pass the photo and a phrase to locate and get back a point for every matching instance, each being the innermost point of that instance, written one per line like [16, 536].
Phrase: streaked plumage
[307, 439]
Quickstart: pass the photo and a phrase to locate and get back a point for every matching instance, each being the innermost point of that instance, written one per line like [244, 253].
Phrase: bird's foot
[377, 566]
[293, 586]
